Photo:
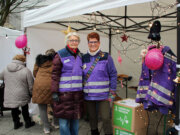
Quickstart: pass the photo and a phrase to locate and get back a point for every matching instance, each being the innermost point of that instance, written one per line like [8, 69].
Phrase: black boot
[18, 112]
[17, 125]
[95, 132]
[15, 116]
[29, 123]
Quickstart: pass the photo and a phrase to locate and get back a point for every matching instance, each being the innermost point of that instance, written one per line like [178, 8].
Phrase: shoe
[46, 131]
[19, 112]
[55, 126]
[95, 132]
[29, 124]
[17, 125]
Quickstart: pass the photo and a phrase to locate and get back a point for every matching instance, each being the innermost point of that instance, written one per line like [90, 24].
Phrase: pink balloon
[154, 59]
[21, 41]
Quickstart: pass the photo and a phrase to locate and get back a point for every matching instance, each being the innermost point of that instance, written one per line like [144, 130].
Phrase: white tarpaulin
[7, 44]
[69, 8]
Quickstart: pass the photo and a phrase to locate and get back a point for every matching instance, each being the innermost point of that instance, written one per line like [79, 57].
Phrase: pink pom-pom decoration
[119, 59]
[154, 59]
[21, 41]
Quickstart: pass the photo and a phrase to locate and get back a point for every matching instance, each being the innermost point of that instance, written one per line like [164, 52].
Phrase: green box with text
[120, 131]
[127, 113]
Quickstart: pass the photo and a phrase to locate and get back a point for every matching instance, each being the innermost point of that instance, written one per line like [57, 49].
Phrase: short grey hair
[71, 34]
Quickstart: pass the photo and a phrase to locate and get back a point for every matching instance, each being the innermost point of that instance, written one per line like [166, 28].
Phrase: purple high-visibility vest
[162, 88]
[156, 88]
[144, 82]
[71, 73]
[97, 86]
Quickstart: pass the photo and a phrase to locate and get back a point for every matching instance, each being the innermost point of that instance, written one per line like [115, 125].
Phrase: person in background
[100, 80]
[42, 94]
[67, 85]
[18, 81]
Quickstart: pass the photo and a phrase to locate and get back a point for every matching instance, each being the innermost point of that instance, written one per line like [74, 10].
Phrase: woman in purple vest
[67, 86]
[100, 79]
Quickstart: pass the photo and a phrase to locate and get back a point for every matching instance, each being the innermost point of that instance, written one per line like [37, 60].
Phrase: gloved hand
[113, 92]
[55, 97]
[112, 96]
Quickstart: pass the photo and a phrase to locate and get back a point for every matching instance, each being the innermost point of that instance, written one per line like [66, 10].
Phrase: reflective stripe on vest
[142, 88]
[96, 90]
[97, 83]
[70, 78]
[159, 98]
[72, 85]
[140, 95]
[171, 57]
[160, 88]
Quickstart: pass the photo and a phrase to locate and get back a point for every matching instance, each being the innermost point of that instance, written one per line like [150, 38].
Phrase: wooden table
[124, 79]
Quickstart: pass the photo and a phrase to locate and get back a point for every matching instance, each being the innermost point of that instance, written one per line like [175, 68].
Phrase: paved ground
[6, 124]
[6, 127]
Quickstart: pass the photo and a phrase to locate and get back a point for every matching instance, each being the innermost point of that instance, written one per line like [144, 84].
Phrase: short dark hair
[93, 35]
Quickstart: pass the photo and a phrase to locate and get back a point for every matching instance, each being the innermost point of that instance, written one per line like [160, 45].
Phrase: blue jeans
[68, 127]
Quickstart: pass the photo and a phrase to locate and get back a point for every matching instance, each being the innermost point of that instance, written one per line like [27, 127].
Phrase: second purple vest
[97, 86]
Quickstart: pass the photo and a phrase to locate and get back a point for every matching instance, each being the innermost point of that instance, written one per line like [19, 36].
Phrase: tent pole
[125, 18]
[110, 35]
[177, 120]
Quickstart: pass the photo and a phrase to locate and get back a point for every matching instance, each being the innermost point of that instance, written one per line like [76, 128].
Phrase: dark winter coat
[42, 85]
[70, 105]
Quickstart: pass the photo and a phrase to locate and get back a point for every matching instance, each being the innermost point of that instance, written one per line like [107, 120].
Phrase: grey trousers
[103, 108]
[44, 116]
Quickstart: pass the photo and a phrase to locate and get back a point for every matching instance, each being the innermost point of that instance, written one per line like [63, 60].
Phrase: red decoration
[26, 50]
[124, 38]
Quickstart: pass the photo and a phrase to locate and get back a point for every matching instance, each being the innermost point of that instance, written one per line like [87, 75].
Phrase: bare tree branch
[16, 4]
[8, 7]
[28, 7]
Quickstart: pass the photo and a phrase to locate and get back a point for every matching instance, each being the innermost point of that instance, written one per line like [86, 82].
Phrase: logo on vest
[66, 61]
[84, 66]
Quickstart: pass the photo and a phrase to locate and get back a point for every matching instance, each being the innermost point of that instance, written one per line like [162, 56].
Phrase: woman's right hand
[55, 97]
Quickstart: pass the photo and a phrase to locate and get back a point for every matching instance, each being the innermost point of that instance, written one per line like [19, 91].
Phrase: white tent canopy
[69, 8]
[42, 35]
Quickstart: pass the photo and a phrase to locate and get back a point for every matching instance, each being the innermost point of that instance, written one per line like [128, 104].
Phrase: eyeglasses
[93, 42]
[76, 41]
